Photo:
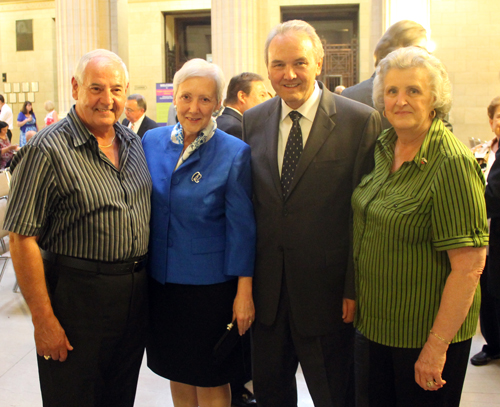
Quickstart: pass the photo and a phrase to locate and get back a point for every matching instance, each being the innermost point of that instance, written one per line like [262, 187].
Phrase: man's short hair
[2, 99]
[242, 82]
[141, 102]
[297, 26]
[404, 33]
[97, 53]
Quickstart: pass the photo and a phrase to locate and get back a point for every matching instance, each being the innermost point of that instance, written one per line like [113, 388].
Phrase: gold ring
[430, 384]
[47, 357]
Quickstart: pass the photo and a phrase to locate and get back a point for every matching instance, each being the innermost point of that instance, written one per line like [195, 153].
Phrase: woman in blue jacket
[202, 243]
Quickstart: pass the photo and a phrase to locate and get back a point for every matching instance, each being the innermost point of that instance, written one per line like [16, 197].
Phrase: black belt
[125, 267]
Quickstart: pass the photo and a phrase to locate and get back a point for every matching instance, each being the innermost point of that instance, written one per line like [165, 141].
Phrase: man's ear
[74, 88]
[242, 96]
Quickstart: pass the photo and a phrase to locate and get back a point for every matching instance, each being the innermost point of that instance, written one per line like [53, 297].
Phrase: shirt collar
[308, 109]
[232, 108]
[81, 134]
[388, 138]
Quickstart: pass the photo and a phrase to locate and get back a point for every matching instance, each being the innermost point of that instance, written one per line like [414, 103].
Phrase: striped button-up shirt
[68, 193]
[403, 224]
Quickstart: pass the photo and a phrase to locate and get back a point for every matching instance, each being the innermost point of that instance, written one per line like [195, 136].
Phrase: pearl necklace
[109, 145]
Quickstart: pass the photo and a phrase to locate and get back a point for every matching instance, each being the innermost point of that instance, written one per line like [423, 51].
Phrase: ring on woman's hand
[430, 384]
[47, 357]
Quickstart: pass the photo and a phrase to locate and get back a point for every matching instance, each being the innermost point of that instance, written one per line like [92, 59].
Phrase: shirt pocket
[407, 219]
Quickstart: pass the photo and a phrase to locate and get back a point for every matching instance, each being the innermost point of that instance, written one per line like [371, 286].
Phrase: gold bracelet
[440, 337]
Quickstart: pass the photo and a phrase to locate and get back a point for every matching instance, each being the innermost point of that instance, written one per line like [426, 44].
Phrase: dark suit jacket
[307, 235]
[147, 124]
[230, 122]
[492, 197]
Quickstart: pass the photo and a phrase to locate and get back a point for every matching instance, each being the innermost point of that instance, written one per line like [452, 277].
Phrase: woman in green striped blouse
[420, 233]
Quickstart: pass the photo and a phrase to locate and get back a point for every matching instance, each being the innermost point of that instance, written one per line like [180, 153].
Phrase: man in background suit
[135, 110]
[244, 91]
[303, 282]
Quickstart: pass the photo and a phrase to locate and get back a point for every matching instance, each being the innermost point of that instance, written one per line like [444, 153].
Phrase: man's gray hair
[415, 57]
[97, 53]
[141, 102]
[297, 26]
[199, 68]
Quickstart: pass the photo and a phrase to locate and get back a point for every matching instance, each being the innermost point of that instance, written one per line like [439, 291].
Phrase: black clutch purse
[226, 343]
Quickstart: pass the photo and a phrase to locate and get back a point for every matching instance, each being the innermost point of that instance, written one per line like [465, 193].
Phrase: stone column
[76, 33]
[239, 29]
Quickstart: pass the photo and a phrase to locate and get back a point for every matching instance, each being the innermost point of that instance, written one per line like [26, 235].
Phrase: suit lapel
[271, 134]
[322, 127]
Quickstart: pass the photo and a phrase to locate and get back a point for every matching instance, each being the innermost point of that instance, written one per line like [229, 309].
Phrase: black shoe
[482, 358]
[244, 398]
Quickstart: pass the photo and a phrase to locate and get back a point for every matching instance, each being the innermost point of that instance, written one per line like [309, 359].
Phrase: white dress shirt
[6, 116]
[308, 111]
[137, 124]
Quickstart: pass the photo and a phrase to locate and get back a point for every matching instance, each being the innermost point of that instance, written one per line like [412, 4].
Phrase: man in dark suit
[404, 33]
[309, 151]
[244, 91]
[135, 110]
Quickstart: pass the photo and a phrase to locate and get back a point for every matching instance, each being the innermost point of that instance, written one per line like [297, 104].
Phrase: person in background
[78, 216]
[26, 120]
[310, 148]
[202, 250]
[404, 33]
[135, 110]
[51, 116]
[489, 315]
[6, 116]
[244, 91]
[420, 237]
[6, 149]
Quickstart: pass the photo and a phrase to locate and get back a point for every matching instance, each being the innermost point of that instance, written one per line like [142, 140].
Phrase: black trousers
[326, 361]
[105, 319]
[385, 376]
[489, 315]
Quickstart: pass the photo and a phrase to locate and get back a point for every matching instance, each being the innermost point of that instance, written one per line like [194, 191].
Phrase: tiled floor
[19, 380]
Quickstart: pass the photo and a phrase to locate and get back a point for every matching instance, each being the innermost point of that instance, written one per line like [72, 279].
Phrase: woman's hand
[430, 364]
[243, 308]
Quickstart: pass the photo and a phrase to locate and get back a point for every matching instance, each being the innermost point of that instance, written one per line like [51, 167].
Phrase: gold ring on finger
[47, 357]
[430, 384]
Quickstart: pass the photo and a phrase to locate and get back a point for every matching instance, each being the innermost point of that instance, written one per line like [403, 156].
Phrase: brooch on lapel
[423, 161]
[196, 177]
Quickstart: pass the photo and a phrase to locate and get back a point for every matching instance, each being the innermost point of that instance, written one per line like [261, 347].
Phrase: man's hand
[348, 310]
[50, 339]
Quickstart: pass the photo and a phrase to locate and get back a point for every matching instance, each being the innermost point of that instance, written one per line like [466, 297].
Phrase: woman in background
[26, 120]
[6, 149]
[51, 116]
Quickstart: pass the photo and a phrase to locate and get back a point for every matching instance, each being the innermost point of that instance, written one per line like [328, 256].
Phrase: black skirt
[186, 322]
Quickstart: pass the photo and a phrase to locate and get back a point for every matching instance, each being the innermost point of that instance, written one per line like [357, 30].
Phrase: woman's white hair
[199, 68]
[97, 53]
[415, 57]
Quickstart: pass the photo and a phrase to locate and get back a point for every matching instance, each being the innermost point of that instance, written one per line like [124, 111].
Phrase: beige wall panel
[466, 35]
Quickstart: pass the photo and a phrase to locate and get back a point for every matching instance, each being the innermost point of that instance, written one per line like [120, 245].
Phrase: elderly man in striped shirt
[79, 220]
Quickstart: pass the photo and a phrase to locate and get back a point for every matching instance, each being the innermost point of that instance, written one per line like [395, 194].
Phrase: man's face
[133, 111]
[101, 97]
[292, 67]
[258, 94]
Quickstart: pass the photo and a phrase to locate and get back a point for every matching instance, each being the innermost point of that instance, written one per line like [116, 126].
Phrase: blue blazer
[202, 219]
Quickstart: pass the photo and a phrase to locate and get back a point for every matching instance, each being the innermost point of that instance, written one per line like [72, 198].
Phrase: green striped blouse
[403, 224]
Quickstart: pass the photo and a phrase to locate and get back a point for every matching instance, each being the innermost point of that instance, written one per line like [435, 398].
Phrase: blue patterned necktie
[292, 153]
